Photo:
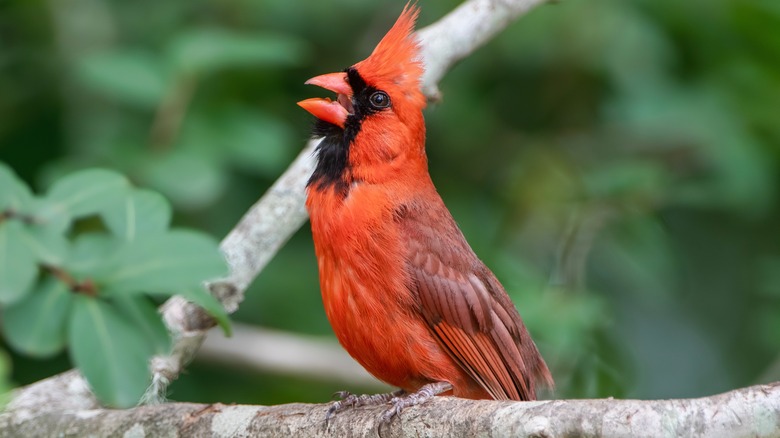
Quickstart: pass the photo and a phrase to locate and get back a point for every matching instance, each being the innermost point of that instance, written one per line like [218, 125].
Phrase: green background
[615, 162]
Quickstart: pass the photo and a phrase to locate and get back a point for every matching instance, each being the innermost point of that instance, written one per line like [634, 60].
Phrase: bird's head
[377, 115]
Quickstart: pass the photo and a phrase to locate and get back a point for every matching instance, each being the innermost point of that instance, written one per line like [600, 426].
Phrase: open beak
[331, 111]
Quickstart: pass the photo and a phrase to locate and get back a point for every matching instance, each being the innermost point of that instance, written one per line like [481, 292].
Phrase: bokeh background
[615, 162]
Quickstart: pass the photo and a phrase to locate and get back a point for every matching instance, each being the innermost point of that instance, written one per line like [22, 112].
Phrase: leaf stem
[86, 287]
[13, 214]
[171, 112]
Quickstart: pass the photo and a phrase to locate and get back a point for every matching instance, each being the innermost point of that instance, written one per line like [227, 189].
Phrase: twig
[281, 352]
[171, 112]
[574, 247]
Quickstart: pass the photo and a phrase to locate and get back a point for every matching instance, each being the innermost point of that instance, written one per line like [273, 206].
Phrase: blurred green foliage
[66, 285]
[614, 161]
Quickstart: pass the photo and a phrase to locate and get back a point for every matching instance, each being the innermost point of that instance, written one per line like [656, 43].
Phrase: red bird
[405, 293]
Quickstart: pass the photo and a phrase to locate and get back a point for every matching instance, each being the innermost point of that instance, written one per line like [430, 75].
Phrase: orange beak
[330, 111]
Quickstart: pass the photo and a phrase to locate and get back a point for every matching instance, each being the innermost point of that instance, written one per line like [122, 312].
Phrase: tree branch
[748, 412]
[248, 348]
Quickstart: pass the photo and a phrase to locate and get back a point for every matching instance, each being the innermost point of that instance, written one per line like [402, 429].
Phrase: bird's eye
[379, 100]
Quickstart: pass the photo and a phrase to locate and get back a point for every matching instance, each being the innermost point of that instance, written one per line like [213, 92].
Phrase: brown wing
[468, 310]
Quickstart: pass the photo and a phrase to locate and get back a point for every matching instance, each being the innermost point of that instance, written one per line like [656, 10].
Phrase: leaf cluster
[66, 283]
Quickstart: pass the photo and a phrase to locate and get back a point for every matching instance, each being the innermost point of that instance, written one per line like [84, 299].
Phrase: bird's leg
[424, 394]
[351, 400]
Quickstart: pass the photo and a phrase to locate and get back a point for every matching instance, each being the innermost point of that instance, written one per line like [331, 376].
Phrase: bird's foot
[424, 394]
[349, 400]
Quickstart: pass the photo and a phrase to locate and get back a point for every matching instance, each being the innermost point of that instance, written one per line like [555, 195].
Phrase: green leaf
[258, 142]
[252, 140]
[165, 264]
[92, 191]
[140, 212]
[91, 255]
[147, 321]
[131, 76]
[48, 244]
[49, 215]
[208, 302]
[14, 193]
[36, 324]
[17, 262]
[206, 50]
[190, 179]
[629, 180]
[109, 350]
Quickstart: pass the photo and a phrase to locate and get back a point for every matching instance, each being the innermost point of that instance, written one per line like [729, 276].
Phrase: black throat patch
[332, 170]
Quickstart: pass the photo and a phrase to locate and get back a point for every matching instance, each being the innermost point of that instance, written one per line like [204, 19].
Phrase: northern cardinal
[405, 294]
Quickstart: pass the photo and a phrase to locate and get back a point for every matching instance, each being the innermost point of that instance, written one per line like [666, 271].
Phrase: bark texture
[748, 412]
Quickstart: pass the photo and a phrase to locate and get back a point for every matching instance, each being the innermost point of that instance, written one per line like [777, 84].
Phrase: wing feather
[469, 312]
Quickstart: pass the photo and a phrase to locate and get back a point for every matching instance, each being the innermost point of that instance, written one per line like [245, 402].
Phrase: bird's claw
[346, 399]
[351, 400]
[425, 393]
[394, 410]
[399, 400]
[341, 395]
